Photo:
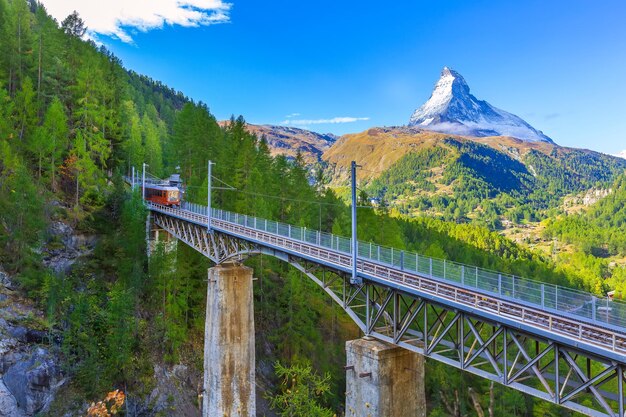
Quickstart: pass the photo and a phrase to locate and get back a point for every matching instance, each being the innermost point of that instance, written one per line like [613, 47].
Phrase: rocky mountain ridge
[377, 149]
[288, 141]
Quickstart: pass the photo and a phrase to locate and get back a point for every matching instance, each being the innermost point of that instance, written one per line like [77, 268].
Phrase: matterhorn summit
[452, 109]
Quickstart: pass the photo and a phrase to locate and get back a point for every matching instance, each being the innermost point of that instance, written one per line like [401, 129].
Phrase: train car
[163, 194]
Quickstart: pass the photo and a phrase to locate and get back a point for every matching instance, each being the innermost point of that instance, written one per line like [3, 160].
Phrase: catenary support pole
[354, 279]
[143, 182]
[208, 209]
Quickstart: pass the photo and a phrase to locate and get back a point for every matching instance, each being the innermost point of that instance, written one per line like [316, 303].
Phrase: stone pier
[383, 380]
[229, 387]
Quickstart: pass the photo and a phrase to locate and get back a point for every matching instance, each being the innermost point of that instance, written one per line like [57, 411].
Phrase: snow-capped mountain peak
[452, 109]
[451, 84]
[622, 154]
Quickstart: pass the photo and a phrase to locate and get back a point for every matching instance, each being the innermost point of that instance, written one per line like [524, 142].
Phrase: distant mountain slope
[452, 109]
[600, 230]
[423, 172]
[622, 154]
[288, 141]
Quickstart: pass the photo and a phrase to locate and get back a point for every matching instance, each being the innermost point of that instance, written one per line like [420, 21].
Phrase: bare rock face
[29, 374]
[65, 247]
[5, 281]
[176, 392]
[8, 404]
[33, 381]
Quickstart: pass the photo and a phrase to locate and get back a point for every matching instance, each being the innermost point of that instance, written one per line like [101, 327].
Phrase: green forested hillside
[602, 229]
[73, 120]
[461, 180]
[596, 239]
[70, 116]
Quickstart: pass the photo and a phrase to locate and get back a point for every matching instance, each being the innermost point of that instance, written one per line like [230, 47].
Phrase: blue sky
[560, 65]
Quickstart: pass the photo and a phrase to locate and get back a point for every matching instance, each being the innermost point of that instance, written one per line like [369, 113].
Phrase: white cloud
[116, 17]
[292, 115]
[334, 120]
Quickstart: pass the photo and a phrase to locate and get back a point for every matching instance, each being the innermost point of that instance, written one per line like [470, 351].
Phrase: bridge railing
[564, 300]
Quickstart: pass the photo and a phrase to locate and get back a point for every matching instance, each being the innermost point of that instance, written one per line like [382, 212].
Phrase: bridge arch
[497, 339]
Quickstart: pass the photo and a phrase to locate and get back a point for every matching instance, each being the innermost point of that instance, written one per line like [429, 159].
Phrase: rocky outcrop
[29, 373]
[5, 281]
[33, 380]
[176, 392]
[65, 246]
[8, 403]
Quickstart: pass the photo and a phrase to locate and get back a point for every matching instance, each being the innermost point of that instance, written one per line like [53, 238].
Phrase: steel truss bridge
[563, 346]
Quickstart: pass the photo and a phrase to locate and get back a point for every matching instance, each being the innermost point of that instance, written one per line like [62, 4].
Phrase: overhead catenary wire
[372, 171]
[229, 187]
[282, 198]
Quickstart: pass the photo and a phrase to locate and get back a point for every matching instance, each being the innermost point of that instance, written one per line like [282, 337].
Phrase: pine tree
[301, 390]
[17, 41]
[7, 121]
[49, 142]
[84, 168]
[133, 148]
[89, 112]
[25, 110]
[152, 145]
[21, 211]
[73, 25]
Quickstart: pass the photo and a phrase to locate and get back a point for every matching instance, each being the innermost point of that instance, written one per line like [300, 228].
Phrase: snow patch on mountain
[452, 109]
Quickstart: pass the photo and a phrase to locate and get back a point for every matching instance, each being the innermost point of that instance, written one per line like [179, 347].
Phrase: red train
[163, 194]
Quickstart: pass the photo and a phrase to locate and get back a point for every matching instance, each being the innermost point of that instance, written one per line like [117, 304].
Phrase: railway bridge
[562, 345]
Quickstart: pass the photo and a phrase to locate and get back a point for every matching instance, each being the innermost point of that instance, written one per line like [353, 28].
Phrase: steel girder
[543, 368]
[218, 247]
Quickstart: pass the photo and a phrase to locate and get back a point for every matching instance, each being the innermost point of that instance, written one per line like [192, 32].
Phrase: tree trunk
[476, 403]
[453, 408]
[11, 81]
[19, 46]
[491, 399]
[53, 168]
[39, 77]
[23, 126]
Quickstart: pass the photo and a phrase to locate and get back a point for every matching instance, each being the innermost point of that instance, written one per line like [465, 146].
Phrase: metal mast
[208, 210]
[355, 246]
[143, 182]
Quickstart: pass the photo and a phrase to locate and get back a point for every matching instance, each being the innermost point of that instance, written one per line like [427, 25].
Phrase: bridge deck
[575, 318]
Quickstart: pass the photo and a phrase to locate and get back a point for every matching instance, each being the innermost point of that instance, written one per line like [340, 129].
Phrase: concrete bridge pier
[229, 368]
[383, 380]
